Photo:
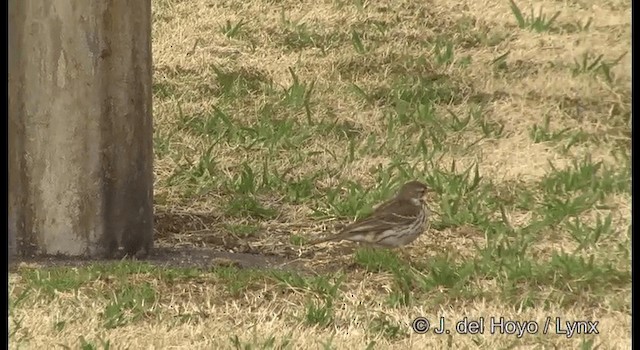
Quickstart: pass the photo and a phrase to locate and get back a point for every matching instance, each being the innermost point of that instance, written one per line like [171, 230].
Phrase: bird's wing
[388, 215]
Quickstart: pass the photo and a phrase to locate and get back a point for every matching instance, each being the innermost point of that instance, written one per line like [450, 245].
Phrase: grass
[276, 123]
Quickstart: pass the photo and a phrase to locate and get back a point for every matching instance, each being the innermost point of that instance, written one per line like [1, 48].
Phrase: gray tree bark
[80, 127]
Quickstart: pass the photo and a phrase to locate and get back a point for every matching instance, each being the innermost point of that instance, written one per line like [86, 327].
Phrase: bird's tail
[335, 238]
[349, 233]
[341, 228]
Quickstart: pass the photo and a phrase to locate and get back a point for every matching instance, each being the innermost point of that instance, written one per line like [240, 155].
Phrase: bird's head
[415, 191]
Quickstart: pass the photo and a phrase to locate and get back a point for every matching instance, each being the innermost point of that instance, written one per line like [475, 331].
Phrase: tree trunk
[80, 127]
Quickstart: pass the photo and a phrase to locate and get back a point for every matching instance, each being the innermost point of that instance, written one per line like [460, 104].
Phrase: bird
[395, 223]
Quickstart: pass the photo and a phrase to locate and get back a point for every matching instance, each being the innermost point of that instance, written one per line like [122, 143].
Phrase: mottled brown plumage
[394, 223]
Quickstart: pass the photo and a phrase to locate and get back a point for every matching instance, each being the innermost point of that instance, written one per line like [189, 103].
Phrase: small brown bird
[393, 224]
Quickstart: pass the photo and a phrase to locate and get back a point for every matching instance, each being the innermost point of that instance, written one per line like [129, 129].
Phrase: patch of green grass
[322, 286]
[59, 325]
[585, 175]
[542, 133]
[470, 33]
[403, 286]
[86, 344]
[297, 35]
[578, 26]
[388, 329]
[195, 177]
[127, 294]
[16, 328]
[491, 129]
[297, 240]
[358, 45]
[161, 145]
[129, 303]
[415, 91]
[344, 130]
[591, 64]
[164, 90]
[507, 258]
[298, 94]
[375, 87]
[443, 272]
[269, 342]
[176, 275]
[319, 314]
[466, 197]
[231, 29]
[249, 206]
[376, 260]
[443, 52]
[50, 281]
[242, 230]
[536, 22]
[589, 344]
[237, 281]
[588, 236]
[235, 84]
[349, 199]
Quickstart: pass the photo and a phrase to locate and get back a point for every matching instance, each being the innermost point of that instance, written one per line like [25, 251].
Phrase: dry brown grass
[201, 313]
[536, 83]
